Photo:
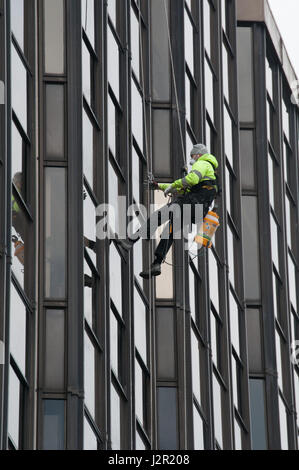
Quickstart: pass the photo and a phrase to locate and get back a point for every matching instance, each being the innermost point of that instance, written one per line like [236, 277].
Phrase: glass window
[139, 393]
[135, 44]
[89, 374]
[165, 344]
[161, 142]
[55, 347]
[225, 59]
[17, 20]
[115, 420]
[286, 120]
[229, 190]
[271, 180]
[274, 242]
[18, 152]
[136, 175]
[247, 155]
[283, 425]
[188, 98]
[192, 293]
[198, 430]
[238, 436]
[228, 137]
[231, 257]
[19, 88]
[235, 372]
[167, 418]
[113, 63]
[140, 326]
[245, 73]
[55, 233]
[114, 343]
[139, 443]
[287, 156]
[112, 127]
[89, 214]
[87, 149]
[54, 424]
[138, 261]
[217, 411]
[195, 367]
[19, 241]
[111, 5]
[269, 79]
[289, 207]
[87, 7]
[54, 36]
[189, 51]
[257, 413]
[90, 440]
[86, 73]
[213, 278]
[292, 282]
[279, 359]
[234, 323]
[115, 278]
[270, 122]
[14, 401]
[224, 14]
[137, 116]
[209, 90]
[55, 125]
[251, 247]
[254, 340]
[89, 283]
[18, 325]
[161, 71]
[207, 26]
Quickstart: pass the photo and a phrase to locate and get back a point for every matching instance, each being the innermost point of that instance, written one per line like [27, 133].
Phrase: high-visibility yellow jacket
[15, 205]
[202, 170]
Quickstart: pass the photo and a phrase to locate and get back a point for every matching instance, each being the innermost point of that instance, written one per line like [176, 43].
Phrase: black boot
[125, 244]
[154, 270]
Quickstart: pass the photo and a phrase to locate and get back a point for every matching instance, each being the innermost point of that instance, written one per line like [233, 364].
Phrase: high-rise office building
[95, 96]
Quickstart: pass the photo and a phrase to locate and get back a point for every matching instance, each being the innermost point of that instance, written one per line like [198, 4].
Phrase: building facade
[98, 95]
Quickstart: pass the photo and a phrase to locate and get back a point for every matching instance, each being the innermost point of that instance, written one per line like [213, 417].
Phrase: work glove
[154, 185]
[169, 191]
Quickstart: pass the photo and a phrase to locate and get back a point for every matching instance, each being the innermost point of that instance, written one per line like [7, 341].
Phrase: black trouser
[176, 218]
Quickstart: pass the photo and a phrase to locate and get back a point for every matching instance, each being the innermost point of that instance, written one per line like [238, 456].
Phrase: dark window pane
[257, 413]
[54, 121]
[167, 418]
[251, 248]
[254, 340]
[54, 355]
[161, 134]
[165, 343]
[53, 430]
[55, 232]
[54, 36]
[245, 73]
[247, 159]
[160, 51]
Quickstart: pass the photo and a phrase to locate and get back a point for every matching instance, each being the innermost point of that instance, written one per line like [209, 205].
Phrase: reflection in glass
[160, 51]
[140, 326]
[54, 353]
[54, 36]
[278, 359]
[136, 175]
[87, 149]
[217, 411]
[137, 116]
[235, 382]
[115, 420]
[165, 344]
[247, 159]
[135, 43]
[55, 232]
[257, 413]
[87, 8]
[139, 442]
[271, 180]
[161, 142]
[286, 120]
[19, 88]
[90, 440]
[213, 277]
[195, 367]
[18, 164]
[198, 430]
[54, 423]
[17, 20]
[14, 407]
[113, 63]
[89, 226]
[269, 79]
[189, 43]
[254, 340]
[86, 73]
[115, 278]
[238, 436]
[245, 73]
[251, 247]
[17, 329]
[89, 374]
[19, 237]
[167, 418]
[55, 125]
[188, 99]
